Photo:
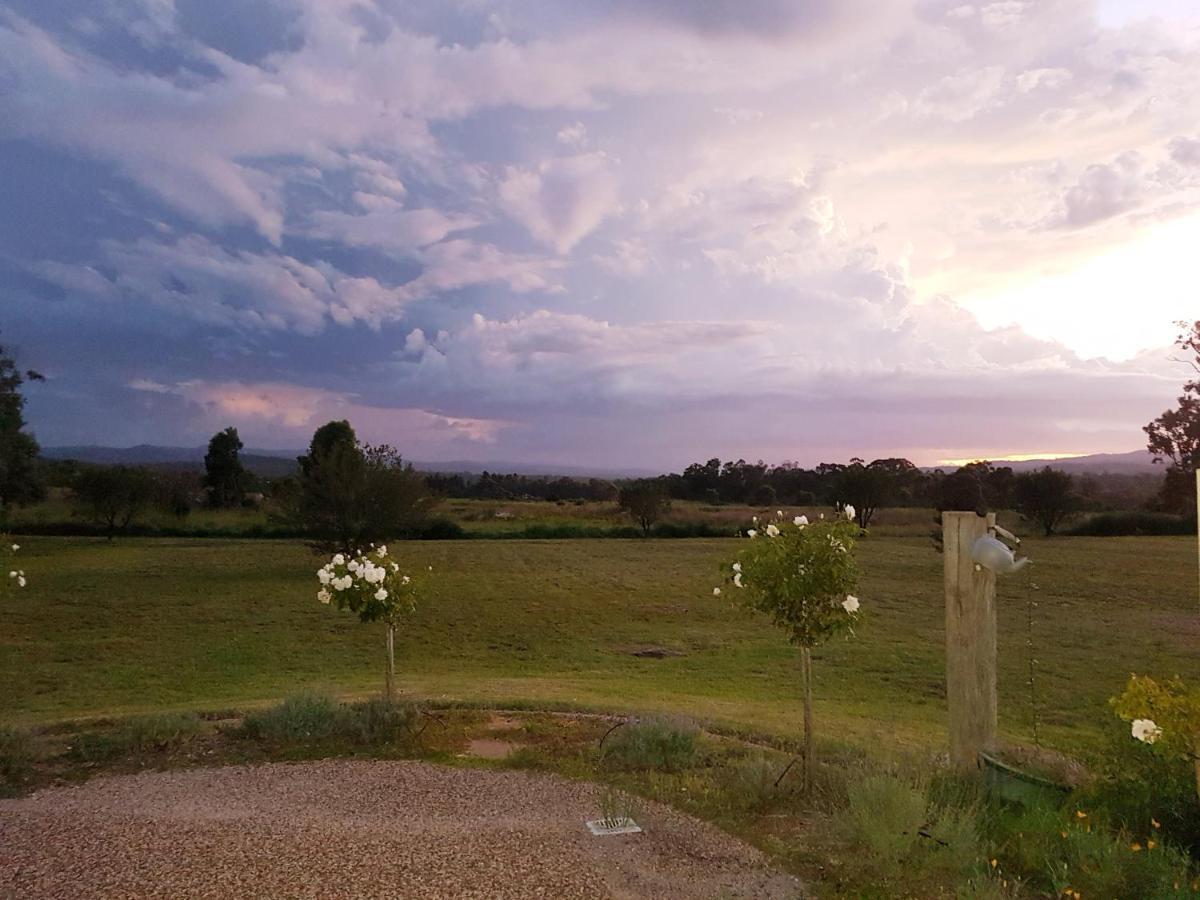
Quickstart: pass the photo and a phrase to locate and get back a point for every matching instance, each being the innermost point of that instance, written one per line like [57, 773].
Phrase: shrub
[441, 530]
[654, 744]
[1133, 522]
[17, 756]
[140, 736]
[884, 814]
[298, 719]
[754, 783]
[376, 721]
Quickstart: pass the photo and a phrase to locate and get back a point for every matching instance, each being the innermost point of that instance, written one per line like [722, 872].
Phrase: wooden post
[970, 640]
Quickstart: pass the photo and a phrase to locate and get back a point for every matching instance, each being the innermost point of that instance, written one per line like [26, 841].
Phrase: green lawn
[144, 625]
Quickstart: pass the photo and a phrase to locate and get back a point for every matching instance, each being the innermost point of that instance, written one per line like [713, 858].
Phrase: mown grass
[142, 626]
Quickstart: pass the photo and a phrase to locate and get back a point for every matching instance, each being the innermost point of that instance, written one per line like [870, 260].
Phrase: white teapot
[992, 553]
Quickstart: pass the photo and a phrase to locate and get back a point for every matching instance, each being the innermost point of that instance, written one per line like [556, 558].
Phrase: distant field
[147, 624]
[490, 518]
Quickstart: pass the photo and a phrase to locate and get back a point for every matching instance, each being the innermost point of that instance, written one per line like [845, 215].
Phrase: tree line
[346, 491]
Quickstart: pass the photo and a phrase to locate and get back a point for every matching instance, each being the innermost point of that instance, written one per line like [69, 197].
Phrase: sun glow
[1015, 457]
[1116, 304]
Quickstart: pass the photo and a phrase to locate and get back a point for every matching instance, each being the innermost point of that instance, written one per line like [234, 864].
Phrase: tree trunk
[390, 692]
[806, 669]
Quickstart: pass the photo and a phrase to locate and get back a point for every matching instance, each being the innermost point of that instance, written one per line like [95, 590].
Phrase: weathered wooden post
[970, 640]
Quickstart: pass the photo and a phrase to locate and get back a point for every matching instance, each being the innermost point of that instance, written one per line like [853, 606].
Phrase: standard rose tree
[802, 575]
[374, 587]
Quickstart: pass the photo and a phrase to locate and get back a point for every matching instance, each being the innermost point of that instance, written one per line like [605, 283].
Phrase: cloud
[291, 412]
[561, 200]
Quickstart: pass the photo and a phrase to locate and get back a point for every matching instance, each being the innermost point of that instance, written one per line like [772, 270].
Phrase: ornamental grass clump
[802, 574]
[376, 589]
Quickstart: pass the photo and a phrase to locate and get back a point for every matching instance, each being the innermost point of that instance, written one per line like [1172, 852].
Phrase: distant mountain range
[1136, 462]
[278, 463]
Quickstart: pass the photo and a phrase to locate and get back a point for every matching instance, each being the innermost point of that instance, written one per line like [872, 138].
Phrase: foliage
[20, 480]
[1165, 716]
[802, 576]
[1144, 792]
[299, 718]
[376, 721]
[373, 587]
[867, 487]
[1114, 524]
[17, 755]
[137, 736]
[112, 496]
[661, 744]
[1046, 496]
[224, 476]
[1174, 436]
[645, 501]
[885, 813]
[349, 495]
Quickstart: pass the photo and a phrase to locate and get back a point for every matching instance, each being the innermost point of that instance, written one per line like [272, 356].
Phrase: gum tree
[802, 575]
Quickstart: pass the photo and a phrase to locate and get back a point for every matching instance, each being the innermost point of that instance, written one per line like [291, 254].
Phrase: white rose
[737, 580]
[381, 594]
[16, 547]
[1146, 731]
[716, 592]
[800, 521]
[849, 511]
[324, 596]
[339, 560]
[20, 581]
[751, 533]
[772, 531]
[850, 604]
[323, 576]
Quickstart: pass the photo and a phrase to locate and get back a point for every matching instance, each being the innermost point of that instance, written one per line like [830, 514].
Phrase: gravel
[362, 829]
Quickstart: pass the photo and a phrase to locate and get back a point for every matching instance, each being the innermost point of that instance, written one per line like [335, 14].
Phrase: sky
[615, 233]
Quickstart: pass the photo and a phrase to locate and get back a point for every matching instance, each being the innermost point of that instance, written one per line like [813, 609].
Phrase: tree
[802, 575]
[19, 478]
[868, 487]
[350, 494]
[1174, 437]
[645, 501]
[113, 496]
[1046, 496]
[223, 473]
[375, 588]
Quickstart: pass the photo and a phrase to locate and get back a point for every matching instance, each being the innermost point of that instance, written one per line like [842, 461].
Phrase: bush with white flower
[376, 588]
[16, 576]
[1164, 716]
[803, 575]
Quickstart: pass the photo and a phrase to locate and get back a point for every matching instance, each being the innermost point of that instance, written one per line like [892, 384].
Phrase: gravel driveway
[353, 828]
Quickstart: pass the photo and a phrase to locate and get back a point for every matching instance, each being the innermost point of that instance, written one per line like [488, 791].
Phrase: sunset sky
[607, 233]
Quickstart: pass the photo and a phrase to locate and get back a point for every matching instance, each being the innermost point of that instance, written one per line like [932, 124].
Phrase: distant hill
[265, 463]
[1136, 462]
[279, 463]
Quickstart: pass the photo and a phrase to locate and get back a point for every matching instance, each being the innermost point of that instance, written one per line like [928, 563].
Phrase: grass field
[143, 625]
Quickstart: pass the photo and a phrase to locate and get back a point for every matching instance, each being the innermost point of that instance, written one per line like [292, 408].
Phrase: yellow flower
[1150, 845]
[1155, 823]
[1080, 814]
[1135, 847]
[1064, 834]
[993, 863]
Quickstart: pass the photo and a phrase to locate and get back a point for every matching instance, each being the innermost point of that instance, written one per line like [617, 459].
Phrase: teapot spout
[1020, 563]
